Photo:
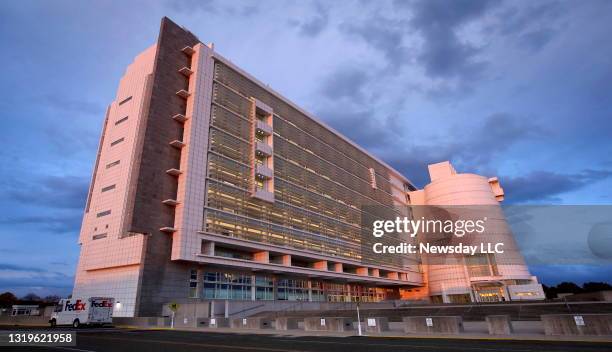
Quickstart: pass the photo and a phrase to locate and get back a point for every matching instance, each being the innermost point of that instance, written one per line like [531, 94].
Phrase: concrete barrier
[284, 323]
[499, 324]
[335, 324]
[433, 325]
[213, 322]
[376, 324]
[143, 322]
[577, 324]
[251, 323]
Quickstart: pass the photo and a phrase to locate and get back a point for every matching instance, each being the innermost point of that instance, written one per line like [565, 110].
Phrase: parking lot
[133, 340]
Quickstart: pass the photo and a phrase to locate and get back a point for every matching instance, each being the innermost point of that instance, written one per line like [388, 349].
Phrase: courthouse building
[210, 185]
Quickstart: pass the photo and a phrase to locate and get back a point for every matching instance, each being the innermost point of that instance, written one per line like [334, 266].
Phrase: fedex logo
[78, 305]
[101, 304]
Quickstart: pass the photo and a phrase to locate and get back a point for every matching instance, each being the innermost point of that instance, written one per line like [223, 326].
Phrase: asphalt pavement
[135, 340]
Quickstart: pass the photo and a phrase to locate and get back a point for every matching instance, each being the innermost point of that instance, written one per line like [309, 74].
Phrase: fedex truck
[83, 311]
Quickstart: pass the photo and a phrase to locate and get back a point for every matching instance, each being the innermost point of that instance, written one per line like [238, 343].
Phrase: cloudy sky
[517, 89]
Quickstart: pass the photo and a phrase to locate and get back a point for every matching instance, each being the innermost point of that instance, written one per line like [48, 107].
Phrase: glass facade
[219, 285]
[245, 286]
[321, 182]
[317, 184]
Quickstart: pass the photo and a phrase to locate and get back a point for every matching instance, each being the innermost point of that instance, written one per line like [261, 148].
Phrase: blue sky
[517, 89]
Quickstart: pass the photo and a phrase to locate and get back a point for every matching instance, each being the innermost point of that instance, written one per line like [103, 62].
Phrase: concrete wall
[375, 324]
[499, 324]
[285, 323]
[433, 325]
[577, 324]
[328, 324]
[251, 323]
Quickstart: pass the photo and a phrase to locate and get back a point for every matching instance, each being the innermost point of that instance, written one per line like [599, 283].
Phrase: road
[130, 340]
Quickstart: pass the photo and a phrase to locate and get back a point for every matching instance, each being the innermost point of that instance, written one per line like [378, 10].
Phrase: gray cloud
[534, 24]
[67, 104]
[346, 82]
[67, 192]
[547, 186]
[69, 223]
[515, 19]
[214, 7]
[473, 150]
[537, 39]
[315, 24]
[24, 279]
[384, 34]
[443, 53]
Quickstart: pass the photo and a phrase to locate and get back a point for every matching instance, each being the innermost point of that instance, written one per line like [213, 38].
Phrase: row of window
[108, 166]
[223, 285]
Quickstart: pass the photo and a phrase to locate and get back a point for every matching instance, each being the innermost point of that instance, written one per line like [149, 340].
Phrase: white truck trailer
[94, 311]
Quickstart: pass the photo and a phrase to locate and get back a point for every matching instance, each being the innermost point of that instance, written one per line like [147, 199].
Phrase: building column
[286, 260]
[253, 288]
[320, 265]
[262, 257]
[200, 287]
[310, 290]
[338, 267]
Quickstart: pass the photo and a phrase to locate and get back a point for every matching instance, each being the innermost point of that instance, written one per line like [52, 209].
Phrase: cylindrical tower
[479, 277]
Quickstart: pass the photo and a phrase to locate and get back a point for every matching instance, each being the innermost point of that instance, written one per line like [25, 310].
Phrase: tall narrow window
[114, 163]
[104, 213]
[108, 188]
[117, 141]
[121, 120]
[193, 283]
[99, 236]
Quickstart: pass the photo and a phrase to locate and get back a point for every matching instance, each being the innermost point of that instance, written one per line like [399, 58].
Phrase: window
[108, 188]
[104, 213]
[114, 163]
[264, 288]
[121, 120]
[193, 283]
[223, 285]
[292, 290]
[99, 236]
[125, 100]
[117, 141]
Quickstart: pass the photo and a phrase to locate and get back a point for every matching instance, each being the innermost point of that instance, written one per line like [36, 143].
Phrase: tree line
[570, 287]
